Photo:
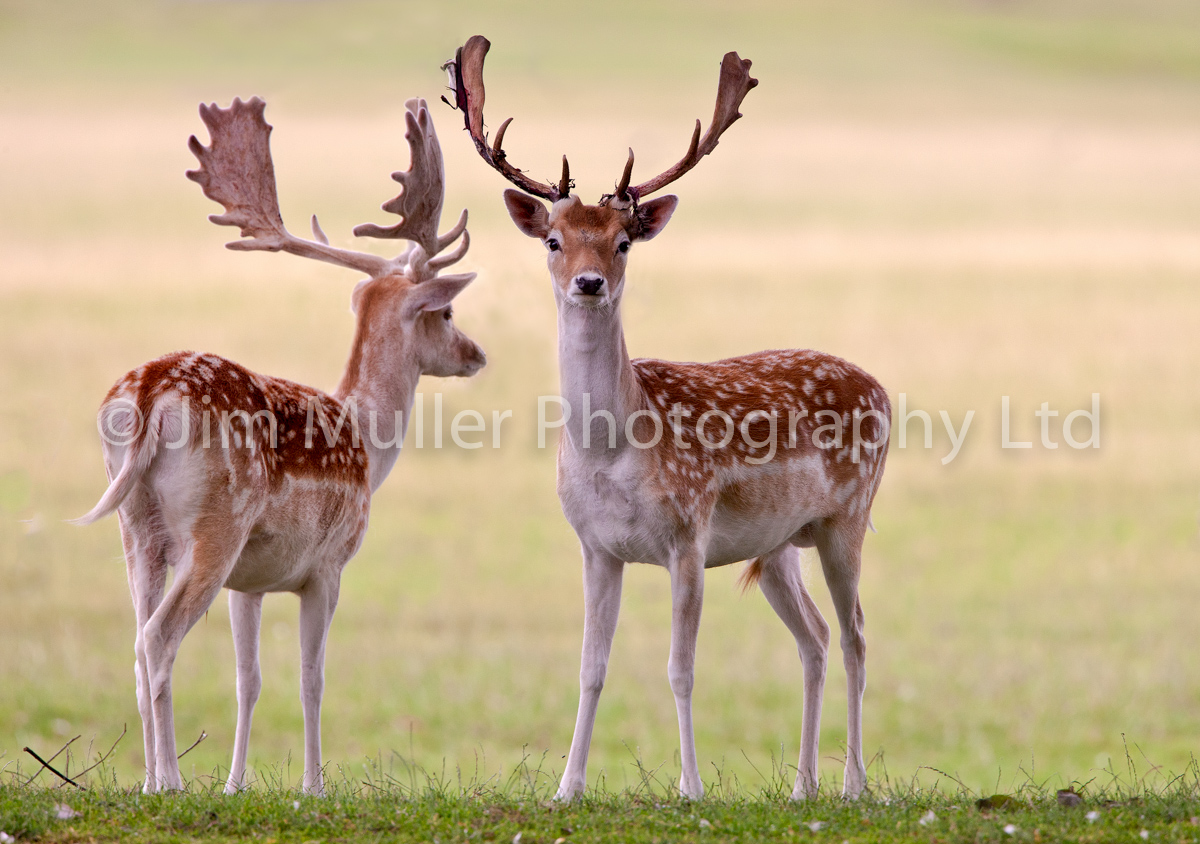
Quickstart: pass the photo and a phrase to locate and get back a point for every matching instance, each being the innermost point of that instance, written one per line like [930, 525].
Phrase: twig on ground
[203, 736]
[968, 791]
[100, 761]
[45, 765]
[48, 767]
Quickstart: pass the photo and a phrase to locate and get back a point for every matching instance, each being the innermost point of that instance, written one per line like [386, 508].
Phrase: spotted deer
[760, 455]
[258, 484]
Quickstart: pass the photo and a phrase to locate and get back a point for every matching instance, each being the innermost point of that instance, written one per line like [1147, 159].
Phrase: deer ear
[435, 294]
[652, 217]
[528, 213]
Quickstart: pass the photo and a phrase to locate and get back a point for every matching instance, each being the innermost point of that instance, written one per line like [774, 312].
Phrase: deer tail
[122, 424]
[750, 575]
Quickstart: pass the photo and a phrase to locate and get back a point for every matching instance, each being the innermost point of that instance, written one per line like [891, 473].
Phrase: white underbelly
[272, 564]
[734, 540]
[297, 538]
[757, 511]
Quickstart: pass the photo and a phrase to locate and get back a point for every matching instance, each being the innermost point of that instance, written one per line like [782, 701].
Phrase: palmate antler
[466, 80]
[237, 171]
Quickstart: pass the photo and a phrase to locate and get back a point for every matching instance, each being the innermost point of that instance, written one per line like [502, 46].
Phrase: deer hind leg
[602, 577]
[840, 546]
[245, 616]
[146, 568]
[317, 603]
[783, 587]
[199, 575]
[687, 599]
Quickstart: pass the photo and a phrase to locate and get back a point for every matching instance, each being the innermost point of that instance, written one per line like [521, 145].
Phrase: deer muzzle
[589, 284]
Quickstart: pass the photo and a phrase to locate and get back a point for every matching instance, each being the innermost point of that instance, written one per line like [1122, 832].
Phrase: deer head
[587, 245]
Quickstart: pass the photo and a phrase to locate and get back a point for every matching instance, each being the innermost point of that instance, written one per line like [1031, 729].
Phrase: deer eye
[623, 246]
[446, 314]
[552, 245]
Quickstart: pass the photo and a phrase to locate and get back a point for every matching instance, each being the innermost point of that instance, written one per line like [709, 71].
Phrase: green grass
[391, 800]
[969, 200]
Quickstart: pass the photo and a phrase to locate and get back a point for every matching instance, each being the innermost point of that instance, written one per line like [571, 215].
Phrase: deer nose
[589, 284]
[480, 359]
[473, 360]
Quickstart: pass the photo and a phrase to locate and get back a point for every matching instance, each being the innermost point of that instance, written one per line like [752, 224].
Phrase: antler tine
[466, 80]
[419, 203]
[564, 184]
[623, 185]
[443, 261]
[237, 172]
[733, 87]
[449, 237]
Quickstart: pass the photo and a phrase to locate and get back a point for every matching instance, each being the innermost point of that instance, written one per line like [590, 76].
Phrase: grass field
[971, 200]
[403, 805]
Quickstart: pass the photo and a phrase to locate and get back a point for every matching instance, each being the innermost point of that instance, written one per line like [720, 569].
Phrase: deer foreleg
[687, 598]
[602, 578]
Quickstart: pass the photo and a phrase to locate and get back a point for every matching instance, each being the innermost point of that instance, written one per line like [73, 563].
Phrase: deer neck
[595, 375]
[381, 377]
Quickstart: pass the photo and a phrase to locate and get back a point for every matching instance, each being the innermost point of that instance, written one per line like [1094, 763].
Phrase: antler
[466, 80]
[420, 202]
[733, 87]
[237, 172]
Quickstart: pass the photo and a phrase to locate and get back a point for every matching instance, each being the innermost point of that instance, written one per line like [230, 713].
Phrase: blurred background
[969, 199]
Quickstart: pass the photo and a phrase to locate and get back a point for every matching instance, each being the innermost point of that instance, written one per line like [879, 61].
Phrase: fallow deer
[695, 495]
[245, 481]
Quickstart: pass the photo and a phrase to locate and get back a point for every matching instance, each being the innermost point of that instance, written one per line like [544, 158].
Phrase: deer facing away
[257, 484]
[688, 493]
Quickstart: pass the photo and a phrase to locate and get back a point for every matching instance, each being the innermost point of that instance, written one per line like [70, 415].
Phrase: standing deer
[695, 495]
[280, 505]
